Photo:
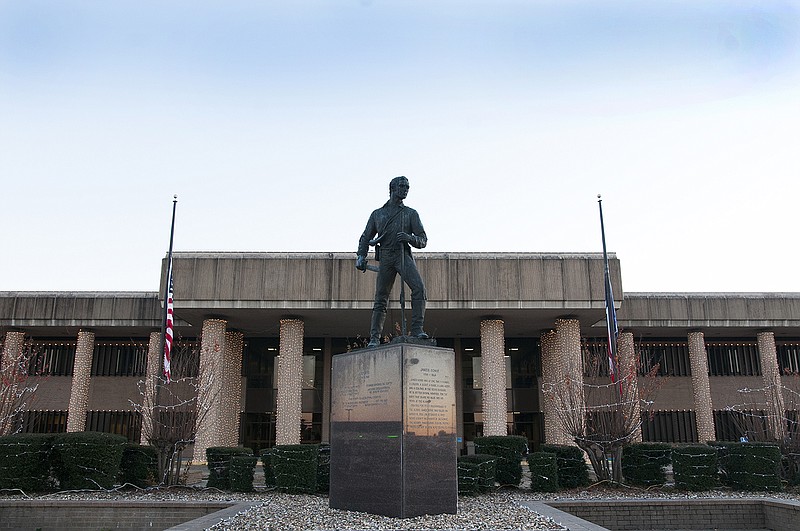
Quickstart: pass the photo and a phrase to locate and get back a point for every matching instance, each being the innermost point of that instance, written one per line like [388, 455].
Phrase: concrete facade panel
[575, 275]
[52, 393]
[111, 393]
[553, 280]
[532, 278]
[725, 390]
[676, 394]
[434, 272]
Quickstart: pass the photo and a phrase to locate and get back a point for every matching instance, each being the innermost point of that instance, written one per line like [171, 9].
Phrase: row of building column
[562, 365]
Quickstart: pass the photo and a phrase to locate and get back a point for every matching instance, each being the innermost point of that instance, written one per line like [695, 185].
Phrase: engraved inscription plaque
[393, 441]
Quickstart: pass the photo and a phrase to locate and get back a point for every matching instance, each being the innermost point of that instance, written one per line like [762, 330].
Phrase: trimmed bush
[754, 466]
[723, 448]
[295, 467]
[266, 463]
[643, 463]
[219, 464]
[87, 459]
[25, 462]
[509, 450]
[324, 468]
[694, 467]
[139, 465]
[544, 471]
[573, 471]
[242, 469]
[476, 473]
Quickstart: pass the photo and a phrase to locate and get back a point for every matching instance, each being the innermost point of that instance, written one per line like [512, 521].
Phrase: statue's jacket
[384, 224]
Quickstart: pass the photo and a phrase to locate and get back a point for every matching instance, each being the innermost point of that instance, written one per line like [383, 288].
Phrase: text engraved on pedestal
[429, 402]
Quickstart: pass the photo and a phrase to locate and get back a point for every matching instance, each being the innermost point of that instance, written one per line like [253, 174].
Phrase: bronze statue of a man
[393, 229]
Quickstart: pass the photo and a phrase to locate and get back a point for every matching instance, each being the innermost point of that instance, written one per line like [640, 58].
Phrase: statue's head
[395, 183]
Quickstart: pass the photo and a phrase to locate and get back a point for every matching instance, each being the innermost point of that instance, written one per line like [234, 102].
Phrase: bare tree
[173, 412]
[600, 415]
[17, 387]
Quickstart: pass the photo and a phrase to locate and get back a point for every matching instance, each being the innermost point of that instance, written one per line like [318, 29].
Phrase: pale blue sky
[280, 124]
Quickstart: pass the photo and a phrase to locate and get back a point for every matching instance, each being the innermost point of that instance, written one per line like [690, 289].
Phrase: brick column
[290, 382]
[629, 375]
[701, 388]
[81, 376]
[230, 399]
[212, 346]
[773, 387]
[493, 374]
[551, 385]
[568, 350]
[13, 349]
[148, 398]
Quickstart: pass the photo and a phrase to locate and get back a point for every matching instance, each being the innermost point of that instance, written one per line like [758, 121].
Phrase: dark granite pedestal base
[393, 442]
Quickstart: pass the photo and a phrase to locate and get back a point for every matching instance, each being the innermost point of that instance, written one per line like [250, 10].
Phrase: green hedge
[242, 469]
[544, 471]
[266, 463]
[295, 467]
[573, 471]
[476, 473]
[754, 466]
[324, 468]
[219, 464]
[87, 460]
[723, 448]
[643, 463]
[509, 450]
[694, 467]
[139, 465]
[25, 462]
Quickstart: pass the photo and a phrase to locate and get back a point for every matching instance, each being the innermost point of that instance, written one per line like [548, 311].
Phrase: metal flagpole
[611, 314]
[162, 340]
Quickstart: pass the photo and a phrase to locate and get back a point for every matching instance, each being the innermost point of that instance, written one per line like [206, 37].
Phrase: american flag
[168, 331]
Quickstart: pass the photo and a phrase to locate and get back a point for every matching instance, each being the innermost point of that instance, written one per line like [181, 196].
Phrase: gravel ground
[275, 511]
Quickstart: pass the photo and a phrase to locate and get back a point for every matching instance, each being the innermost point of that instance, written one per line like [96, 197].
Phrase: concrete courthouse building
[514, 317]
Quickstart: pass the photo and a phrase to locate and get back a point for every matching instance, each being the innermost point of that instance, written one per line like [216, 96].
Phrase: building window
[120, 358]
[788, 357]
[733, 359]
[669, 426]
[126, 423]
[668, 358]
[735, 425]
[52, 358]
[44, 421]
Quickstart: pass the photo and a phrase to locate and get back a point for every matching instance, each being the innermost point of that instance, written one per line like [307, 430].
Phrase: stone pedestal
[393, 431]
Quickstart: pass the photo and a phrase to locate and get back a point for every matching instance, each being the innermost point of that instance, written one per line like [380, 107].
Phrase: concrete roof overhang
[528, 291]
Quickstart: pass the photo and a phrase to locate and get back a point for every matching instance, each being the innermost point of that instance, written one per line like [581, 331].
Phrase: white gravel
[501, 510]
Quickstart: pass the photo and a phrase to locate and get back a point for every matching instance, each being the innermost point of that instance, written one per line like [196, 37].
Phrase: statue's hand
[361, 263]
[404, 237]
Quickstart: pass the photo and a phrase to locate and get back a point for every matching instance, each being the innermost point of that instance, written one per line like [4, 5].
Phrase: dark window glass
[669, 426]
[52, 358]
[664, 358]
[120, 358]
[788, 356]
[733, 425]
[127, 423]
[44, 422]
[733, 358]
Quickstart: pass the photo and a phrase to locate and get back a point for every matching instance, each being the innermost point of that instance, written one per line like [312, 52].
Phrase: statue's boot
[376, 328]
[417, 319]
